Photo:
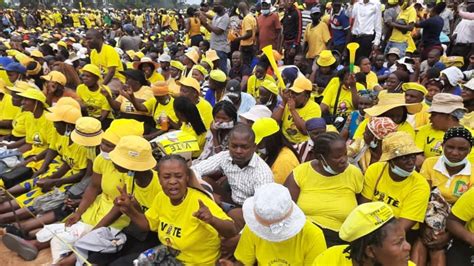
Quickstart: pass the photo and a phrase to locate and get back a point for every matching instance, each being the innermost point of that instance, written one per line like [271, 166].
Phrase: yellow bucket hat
[66, 101]
[93, 69]
[64, 113]
[398, 144]
[264, 127]
[189, 82]
[301, 84]
[326, 58]
[193, 55]
[218, 75]
[414, 86]
[88, 132]
[178, 65]
[133, 153]
[209, 62]
[55, 76]
[34, 94]
[365, 219]
[388, 101]
[270, 86]
[123, 127]
[21, 86]
[212, 55]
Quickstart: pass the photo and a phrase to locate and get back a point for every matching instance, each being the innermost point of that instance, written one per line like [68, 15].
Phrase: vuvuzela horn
[268, 51]
[352, 47]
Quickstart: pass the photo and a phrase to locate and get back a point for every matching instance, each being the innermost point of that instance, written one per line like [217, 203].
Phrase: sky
[193, 2]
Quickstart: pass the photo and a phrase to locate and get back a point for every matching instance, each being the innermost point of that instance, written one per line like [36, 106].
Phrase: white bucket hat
[453, 74]
[256, 112]
[272, 215]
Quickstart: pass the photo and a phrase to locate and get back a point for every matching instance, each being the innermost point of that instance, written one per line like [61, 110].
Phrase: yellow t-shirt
[451, 188]
[155, 77]
[420, 119]
[464, 209]
[291, 133]
[7, 112]
[335, 256]
[405, 127]
[430, 140]
[253, 84]
[248, 23]
[95, 101]
[197, 242]
[144, 93]
[408, 16]
[139, 21]
[75, 19]
[145, 195]
[155, 109]
[468, 120]
[344, 104]
[408, 198]
[38, 133]
[205, 111]
[285, 162]
[317, 38]
[301, 249]
[108, 57]
[327, 200]
[19, 129]
[173, 23]
[73, 154]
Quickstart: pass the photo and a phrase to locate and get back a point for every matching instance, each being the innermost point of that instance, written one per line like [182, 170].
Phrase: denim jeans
[402, 46]
[222, 61]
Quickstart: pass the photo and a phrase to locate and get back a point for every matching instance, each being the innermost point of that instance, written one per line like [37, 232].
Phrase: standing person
[247, 35]
[464, 37]
[218, 29]
[432, 29]
[292, 31]
[402, 27]
[193, 26]
[367, 26]
[389, 15]
[340, 26]
[269, 28]
[316, 35]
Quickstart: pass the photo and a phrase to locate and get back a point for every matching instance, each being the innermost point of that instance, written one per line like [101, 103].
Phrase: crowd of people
[306, 151]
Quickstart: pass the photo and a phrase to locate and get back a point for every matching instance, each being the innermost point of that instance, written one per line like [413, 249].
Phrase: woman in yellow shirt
[278, 153]
[189, 224]
[193, 26]
[415, 93]
[394, 181]
[326, 187]
[371, 78]
[255, 81]
[149, 67]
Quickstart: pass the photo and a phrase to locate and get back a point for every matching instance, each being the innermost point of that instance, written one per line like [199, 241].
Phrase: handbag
[16, 175]
[49, 201]
[331, 119]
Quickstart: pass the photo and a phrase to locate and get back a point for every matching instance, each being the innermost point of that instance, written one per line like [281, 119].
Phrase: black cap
[135, 74]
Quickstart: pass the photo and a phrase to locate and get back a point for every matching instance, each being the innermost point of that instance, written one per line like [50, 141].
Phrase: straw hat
[398, 144]
[446, 103]
[64, 113]
[55, 76]
[365, 219]
[123, 127]
[34, 94]
[326, 58]
[88, 132]
[160, 88]
[272, 215]
[133, 153]
[212, 55]
[145, 60]
[264, 127]
[190, 82]
[389, 101]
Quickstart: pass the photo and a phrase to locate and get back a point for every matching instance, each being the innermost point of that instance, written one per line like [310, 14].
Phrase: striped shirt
[242, 181]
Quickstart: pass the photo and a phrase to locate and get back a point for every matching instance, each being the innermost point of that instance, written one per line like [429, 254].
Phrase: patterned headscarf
[381, 126]
[458, 132]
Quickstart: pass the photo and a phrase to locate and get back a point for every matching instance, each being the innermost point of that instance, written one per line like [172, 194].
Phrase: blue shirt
[380, 72]
[432, 28]
[339, 27]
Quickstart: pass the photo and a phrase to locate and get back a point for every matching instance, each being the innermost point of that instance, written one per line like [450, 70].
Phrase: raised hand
[203, 214]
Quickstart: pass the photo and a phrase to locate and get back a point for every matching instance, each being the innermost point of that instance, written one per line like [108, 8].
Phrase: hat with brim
[55, 76]
[394, 51]
[133, 153]
[398, 144]
[212, 55]
[135, 75]
[21, 86]
[64, 113]
[264, 127]
[272, 215]
[389, 101]
[145, 60]
[301, 84]
[270, 86]
[193, 56]
[34, 94]
[189, 82]
[256, 112]
[160, 88]
[123, 127]
[469, 85]
[88, 132]
[326, 58]
[446, 103]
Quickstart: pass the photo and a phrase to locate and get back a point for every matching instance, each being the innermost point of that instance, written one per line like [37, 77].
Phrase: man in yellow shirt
[316, 35]
[191, 89]
[297, 107]
[402, 27]
[247, 34]
[106, 58]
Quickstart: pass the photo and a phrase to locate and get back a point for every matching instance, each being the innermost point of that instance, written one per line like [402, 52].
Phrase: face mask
[224, 125]
[451, 164]
[105, 155]
[373, 144]
[131, 173]
[400, 172]
[67, 133]
[266, 12]
[328, 168]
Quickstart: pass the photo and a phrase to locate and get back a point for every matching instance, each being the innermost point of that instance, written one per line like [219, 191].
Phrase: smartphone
[409, 60]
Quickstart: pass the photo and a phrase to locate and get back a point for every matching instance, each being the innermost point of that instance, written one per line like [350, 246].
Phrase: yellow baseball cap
[301, 84]
[34, 94]
[270, 86]
[190, 82]
[123, 127]
[414, 86]
[93, 69]
[218, 75]
[178, 65]
[88, 132]
[55, 76]
[365, 219]
[63, 44]
[264, 127]
[37, 54]
[64, 113]
[133, 153]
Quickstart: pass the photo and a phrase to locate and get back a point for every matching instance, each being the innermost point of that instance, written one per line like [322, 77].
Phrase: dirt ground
[9, 258]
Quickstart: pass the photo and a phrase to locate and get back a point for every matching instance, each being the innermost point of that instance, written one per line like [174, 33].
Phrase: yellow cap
[301, 84]
[414, 86]
[201, 69]
[64, 113]
[68, 101]
[212, 55]
[178, 65]
[218, 75]
[264, 127]
[123, 127]
[133, 153]
[398, 144]
[130, 53]
[365, 219]
[270, 86]
[93, 69]
[34, 94]
[63, 44]
[55, 76]
[88, 132]
[190, 82]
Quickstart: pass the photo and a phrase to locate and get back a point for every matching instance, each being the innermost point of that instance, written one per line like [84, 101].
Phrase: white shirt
[367, 19]
[465, 31]
[242, 181]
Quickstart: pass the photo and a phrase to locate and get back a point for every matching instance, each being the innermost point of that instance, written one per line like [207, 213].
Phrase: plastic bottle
[164, 125]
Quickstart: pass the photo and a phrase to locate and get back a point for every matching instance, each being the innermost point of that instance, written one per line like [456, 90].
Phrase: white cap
[164, 58]
[454, 75]
[256, 112]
